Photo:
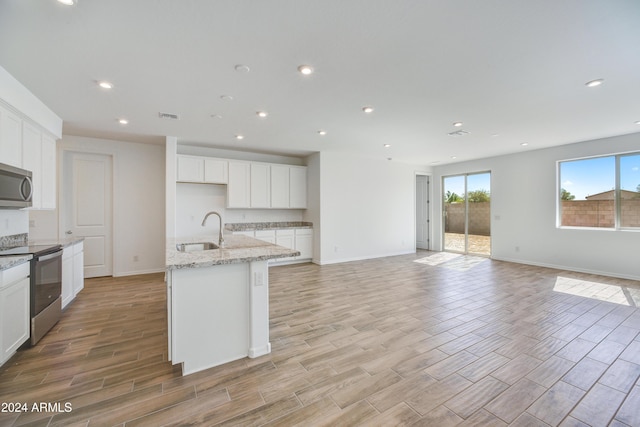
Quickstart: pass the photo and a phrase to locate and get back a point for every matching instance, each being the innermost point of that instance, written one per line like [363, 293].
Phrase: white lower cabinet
[78, 268]
[266, 235]
[304, 242]
[14, 309]
[300, 239]
[67, 276]
[286, 238]
[72, 272]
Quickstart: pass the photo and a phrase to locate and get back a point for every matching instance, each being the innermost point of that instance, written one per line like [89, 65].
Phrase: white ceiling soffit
[511, 71]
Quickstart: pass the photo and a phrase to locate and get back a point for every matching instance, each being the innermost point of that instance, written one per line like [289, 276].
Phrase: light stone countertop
[251, 226]
[10, 261]
[65, 242]
[238, 249]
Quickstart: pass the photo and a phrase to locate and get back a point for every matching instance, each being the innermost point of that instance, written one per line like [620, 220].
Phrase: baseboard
[339, 261]
[137, 272]
[566, 268]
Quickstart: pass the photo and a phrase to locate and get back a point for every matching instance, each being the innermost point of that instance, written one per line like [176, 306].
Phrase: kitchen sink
[193, 247]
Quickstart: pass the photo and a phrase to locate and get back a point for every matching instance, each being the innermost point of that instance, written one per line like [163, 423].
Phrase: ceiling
[512, 72]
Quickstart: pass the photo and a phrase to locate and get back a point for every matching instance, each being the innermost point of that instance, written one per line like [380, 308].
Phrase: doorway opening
[466, 210]
[423, 225]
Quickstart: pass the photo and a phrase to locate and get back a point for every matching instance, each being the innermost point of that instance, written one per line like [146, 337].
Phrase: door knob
[68, 232]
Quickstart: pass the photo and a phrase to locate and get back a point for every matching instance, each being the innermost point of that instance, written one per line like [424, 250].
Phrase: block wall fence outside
[599, 213]
[479, 218]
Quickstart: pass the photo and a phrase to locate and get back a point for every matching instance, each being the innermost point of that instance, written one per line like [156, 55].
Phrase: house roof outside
[610, 195]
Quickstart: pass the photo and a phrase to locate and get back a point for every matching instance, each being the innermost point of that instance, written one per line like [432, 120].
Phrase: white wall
[138, 203]
[523, 205]
[13, 222]
[367, 207]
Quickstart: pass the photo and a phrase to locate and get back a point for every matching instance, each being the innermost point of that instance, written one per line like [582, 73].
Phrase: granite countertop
[10, 261]
[238, 249]
[67, 241]
[250, 226]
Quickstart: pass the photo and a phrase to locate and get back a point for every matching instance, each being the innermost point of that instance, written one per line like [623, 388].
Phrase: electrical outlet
[258, 278]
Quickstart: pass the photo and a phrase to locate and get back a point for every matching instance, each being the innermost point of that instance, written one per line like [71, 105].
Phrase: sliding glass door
[467, 213]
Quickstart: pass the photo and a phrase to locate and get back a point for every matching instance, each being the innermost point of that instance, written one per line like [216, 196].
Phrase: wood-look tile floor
[444, 341]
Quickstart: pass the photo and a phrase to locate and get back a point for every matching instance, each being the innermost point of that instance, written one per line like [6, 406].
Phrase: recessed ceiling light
[389, 158]
[239, 137]
[637, 123]
[123, 121]
[322, 132]
[226, 97]
[457, 124]
[495, 134]
[105, 85]
[241, 68]
[67, 2]
[216, 116]
[594, 83]
[387, 145]
[262, 114]
[524, 144]
[305, 69]
[367, 109]
[436, 162]
[454, 157]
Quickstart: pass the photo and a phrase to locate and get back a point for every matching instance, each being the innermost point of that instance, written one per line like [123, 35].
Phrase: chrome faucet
[220, 239]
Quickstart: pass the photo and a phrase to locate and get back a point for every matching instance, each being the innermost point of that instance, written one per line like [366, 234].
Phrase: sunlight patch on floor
[452, 261]
[600, 291]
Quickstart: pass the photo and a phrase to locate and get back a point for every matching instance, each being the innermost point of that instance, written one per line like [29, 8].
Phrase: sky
[592, 176]
[581, 178]
[455, 184]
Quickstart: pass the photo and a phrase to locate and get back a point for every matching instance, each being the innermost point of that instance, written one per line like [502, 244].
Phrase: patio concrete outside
[480, 245]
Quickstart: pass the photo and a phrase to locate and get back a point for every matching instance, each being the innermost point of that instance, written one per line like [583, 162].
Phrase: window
[601, 192]
[630, 190]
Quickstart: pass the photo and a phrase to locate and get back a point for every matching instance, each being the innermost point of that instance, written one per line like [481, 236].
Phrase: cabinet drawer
[287, 232]
[14, 274]
[265, 233]
[304, 231]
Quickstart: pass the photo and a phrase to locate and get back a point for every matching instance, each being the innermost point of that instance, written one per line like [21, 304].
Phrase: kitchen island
[218, 301]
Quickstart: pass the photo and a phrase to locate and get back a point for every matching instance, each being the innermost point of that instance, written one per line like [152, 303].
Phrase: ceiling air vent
[458, 133]
[168, 116]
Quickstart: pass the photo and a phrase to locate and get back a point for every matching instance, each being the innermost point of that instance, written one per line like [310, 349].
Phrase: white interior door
[422, 212]
[88, 183]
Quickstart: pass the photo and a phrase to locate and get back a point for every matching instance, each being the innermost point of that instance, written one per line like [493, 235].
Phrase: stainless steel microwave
[16, 187]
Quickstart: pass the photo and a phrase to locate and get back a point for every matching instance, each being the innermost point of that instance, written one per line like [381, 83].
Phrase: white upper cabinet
[260, 187]
[280, 186]
[190, 169]
[202, 169]
[239, 186]
[10, 138]
[32, 159]
[48, 185]
[298, 187]
[254, 185]
[216, 171]
[39, 157]
[28, 134]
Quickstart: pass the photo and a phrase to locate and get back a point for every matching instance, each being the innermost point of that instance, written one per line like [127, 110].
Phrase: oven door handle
[50, 256]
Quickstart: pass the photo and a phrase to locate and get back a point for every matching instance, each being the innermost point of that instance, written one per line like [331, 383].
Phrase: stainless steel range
[46, 286]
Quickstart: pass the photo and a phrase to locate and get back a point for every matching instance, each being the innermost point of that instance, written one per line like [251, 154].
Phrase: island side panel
[259, 344]
[209, 315]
